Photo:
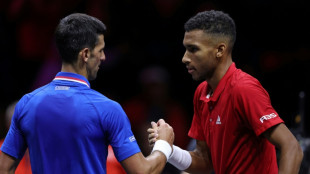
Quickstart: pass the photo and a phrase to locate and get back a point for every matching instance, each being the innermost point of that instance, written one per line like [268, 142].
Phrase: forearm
[138, 164]
[152, 164]
[290, 151]
[192, 162]
[199, 164]
[290, 159]
[8, 164]
[4, 171]
[156, 160]
[155, 163]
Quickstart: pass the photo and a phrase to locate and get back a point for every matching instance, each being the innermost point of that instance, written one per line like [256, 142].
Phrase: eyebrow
[190, 46]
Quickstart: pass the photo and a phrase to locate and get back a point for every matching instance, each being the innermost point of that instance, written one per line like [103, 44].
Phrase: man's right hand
[160, 130]
[156, 161]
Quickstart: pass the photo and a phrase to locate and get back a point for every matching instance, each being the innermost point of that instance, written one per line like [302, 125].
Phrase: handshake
[160, 131]
[161, 138]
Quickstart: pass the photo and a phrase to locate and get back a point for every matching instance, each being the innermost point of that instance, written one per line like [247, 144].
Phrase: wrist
[180, 158]
[164, 147]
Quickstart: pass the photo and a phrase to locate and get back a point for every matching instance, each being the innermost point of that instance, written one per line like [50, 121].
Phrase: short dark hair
[213, 22]
[75, 32]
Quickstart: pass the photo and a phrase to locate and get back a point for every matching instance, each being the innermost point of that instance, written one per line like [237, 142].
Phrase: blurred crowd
[143, 69]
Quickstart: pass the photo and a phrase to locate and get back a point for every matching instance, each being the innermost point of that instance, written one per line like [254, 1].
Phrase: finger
[153, 136]
[154, 125]
[151, 143]
[151, 130]
[161, 122]
[153, 140]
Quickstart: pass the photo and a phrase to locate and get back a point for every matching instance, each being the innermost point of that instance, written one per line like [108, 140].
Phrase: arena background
[272, 45]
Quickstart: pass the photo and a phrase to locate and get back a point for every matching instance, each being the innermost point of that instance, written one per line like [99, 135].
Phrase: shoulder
[25, 100]
[102, 103]
[244, 85]
[101, 98]
[29, 96]
[243, 81]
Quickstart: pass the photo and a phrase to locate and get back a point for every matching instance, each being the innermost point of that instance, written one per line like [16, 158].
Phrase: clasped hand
[160, 131]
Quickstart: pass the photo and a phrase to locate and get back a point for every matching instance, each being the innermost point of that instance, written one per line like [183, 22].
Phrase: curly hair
[215, 23]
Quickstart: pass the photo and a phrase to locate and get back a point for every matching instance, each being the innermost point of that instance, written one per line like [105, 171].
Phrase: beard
[92, 75]
[204, 75]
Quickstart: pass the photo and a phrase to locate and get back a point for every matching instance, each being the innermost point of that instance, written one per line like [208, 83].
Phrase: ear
[220, 50]
[85, 54]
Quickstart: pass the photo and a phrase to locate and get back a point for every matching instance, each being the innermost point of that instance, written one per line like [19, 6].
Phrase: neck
[73, 68]
[218, 74]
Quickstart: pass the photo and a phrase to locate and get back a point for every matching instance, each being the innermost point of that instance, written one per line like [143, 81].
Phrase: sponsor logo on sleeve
[132, 138]
[267, 117]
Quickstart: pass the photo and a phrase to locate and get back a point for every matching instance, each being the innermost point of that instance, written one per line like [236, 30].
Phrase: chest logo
[218, 121]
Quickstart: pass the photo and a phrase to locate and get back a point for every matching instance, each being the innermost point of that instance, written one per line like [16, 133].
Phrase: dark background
[272, 45]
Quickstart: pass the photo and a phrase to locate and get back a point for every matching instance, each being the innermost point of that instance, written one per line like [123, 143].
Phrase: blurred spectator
[24, 166]
[155, 102]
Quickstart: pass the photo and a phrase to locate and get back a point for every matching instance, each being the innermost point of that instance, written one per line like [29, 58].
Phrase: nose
[102, 57]
[185, 59]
